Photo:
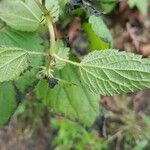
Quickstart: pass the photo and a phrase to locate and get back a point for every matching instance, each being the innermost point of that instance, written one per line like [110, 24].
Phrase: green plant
[143, 7]
[76, 138]
[64, 82]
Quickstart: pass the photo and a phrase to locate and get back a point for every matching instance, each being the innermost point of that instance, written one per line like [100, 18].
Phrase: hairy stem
[67, 61]
[49, 22]
[52, 48]
[43, 8]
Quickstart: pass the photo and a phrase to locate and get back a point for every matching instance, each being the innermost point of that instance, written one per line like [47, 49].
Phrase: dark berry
[52, 82]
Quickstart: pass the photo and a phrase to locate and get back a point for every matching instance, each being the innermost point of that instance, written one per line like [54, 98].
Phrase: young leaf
[24, 16]
[143, 7]
[100, 29]
[71, 100]
[109, 72]
[95, 41]
[62, 52]
[108, 5]
[7, 102]
[53, 7]
[62, 5]
[13, 61]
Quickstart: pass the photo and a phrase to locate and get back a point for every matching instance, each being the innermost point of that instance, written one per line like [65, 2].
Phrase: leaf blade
[7, 102]
[111, 72]
[23, 16]
[13, 61]
[100, 29]
[69, 99]
[24, 40]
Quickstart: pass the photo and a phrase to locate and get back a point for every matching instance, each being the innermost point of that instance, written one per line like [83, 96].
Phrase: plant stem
[52, 48]
[67, 61]
[43, 8]
[49, 22]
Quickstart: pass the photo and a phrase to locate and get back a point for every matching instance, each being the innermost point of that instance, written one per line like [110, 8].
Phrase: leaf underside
[111, 72]
[62, 52]
[13, 61]
[23, 16]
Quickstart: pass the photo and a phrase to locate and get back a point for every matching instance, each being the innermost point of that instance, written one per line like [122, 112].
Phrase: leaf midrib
[12, 60]
[82, 65]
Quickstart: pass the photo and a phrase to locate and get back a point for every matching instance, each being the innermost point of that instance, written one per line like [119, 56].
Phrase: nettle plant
[65, 84]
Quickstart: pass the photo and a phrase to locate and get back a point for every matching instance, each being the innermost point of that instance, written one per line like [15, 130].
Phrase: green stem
[49, 22]
[43, 8]
[68, 61]
[52, 49]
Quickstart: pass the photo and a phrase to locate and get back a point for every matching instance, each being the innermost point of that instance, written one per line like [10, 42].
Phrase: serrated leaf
[71, 100]
[25, 40]
[95, 41]
[13, 61]
[7, 102]
[62, 52]
[100, 29]
[23, 16]
[53, 8]
[110, 72]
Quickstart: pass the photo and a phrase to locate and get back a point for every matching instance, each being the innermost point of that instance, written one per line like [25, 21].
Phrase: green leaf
[110, 72]
[23, 16]
[95, 41]
[108, 5]
[13, 61]
[62, 5]
[62, 52]
[53, 7]
[142, 6]
[7, 102]
[25, 40]
[100, 29]
[71, 100]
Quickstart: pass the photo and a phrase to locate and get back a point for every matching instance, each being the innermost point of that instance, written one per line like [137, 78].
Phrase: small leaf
[100, 29]
[13, 61]
[62, 5]
[24, 16]
[95, 41]
[7, 102]
[108, 5]
[53, 8]
[71, 100]
[62, 52]
[143, 7]
[110, 72]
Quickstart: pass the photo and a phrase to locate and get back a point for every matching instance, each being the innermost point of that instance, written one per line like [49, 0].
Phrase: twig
[132, 36]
